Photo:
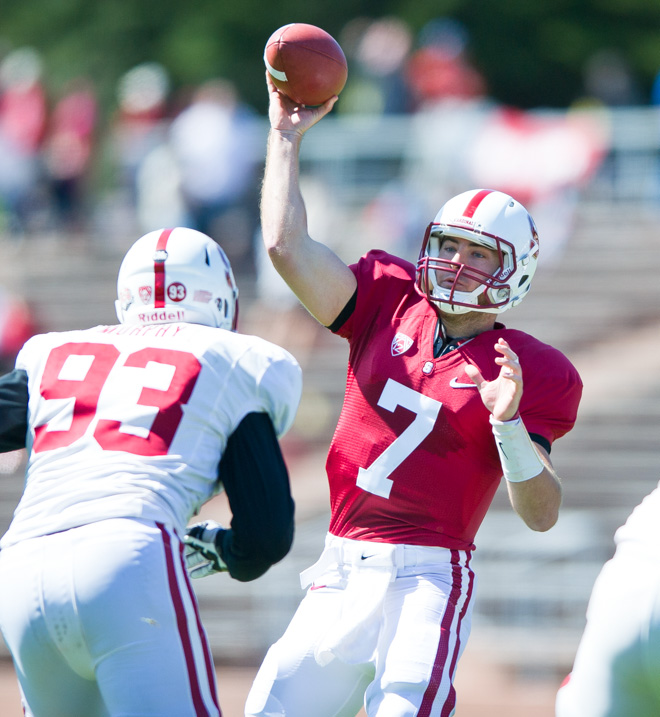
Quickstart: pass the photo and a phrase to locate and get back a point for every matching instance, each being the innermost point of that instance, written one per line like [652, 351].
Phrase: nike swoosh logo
[454, 383]
[366, 557]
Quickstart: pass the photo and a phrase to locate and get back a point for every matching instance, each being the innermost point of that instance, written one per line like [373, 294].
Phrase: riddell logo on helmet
[164, 315]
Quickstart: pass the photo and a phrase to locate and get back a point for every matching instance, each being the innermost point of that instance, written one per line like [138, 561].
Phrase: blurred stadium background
[373, 175]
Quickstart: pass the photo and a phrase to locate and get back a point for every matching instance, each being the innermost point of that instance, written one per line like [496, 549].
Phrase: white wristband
[518, 457]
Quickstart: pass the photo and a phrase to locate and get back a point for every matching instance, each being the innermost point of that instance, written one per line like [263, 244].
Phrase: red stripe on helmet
[476, 201]
[159, 270]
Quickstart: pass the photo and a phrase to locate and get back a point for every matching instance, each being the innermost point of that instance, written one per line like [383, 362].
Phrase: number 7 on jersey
[375, 479]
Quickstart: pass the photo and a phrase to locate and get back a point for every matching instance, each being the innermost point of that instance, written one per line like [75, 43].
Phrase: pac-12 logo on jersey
[400, 344]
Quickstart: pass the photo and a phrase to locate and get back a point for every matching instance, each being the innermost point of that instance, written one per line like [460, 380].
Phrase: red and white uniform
[423, 466]
[412, 469]
[131, 421]
[617, 663]
[127, 426]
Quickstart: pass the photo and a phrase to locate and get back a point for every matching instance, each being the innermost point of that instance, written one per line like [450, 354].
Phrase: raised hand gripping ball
[306, 63]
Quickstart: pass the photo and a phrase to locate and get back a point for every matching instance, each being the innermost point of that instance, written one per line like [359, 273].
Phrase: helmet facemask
[493, 290]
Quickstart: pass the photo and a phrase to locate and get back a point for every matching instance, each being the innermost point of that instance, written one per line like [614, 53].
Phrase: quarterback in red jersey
[441, 402]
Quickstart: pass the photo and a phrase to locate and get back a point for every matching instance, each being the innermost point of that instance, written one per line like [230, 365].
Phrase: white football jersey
[642, 525]
[131, 421]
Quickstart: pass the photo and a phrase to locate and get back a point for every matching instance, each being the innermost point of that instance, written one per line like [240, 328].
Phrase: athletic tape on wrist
[519, 459]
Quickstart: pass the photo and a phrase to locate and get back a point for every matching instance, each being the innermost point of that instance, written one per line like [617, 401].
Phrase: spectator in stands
[610, 80]
[141, 122]
[68, 152]
[439, 70]
[22, 125]
[377, 51]
[216, 147]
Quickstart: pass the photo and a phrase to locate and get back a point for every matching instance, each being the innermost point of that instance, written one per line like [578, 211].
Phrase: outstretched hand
[288, 116]
[502, 395]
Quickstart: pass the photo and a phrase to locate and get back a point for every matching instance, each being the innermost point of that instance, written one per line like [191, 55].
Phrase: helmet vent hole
[208, 258]
[523, 280]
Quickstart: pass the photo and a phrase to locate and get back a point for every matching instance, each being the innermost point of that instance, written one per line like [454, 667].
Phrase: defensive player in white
[130, 429]
[617, 665]
[435, 413]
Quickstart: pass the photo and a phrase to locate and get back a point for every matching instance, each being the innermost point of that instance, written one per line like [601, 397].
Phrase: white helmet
[496, 221]
[179, 274]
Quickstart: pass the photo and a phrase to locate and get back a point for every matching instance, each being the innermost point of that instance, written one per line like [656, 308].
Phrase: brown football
[306, 63]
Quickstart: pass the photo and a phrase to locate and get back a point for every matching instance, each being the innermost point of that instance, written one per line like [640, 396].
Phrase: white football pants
[617, 665]
[101, 621]
[381, 626]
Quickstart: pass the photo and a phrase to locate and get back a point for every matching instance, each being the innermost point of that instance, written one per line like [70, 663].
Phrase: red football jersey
[413, 459]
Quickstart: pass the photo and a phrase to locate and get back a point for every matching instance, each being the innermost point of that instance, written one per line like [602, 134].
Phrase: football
[306, 63]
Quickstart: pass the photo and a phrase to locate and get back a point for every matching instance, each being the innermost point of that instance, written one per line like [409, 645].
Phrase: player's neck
[464, 326]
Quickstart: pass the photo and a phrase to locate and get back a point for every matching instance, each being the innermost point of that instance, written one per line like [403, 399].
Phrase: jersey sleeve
[13, 410]
[280, 390]
[265, 378]
[376, 273]
[551, 395]
[256, 480]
